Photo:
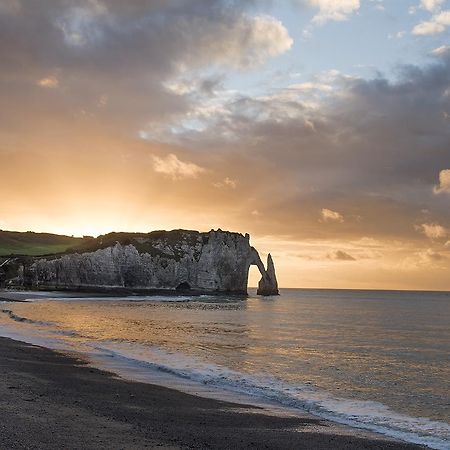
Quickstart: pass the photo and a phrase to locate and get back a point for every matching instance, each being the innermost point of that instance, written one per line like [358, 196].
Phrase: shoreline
[157, 379]
[118, 291]
[55, 400]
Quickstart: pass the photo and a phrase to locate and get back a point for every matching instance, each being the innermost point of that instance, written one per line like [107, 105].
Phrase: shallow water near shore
[378, 360]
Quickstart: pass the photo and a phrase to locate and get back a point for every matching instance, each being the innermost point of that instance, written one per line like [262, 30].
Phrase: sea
[375, 360]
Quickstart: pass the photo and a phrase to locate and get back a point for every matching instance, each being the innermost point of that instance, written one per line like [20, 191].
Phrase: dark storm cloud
[95, 33]
[110, 59]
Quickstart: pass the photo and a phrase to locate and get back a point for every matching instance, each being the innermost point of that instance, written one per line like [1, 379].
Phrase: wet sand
[53, 401]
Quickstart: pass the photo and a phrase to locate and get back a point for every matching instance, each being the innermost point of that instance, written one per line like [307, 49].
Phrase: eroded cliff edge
[216, 262]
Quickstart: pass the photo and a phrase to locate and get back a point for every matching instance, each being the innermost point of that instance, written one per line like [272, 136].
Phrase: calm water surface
[375, 359]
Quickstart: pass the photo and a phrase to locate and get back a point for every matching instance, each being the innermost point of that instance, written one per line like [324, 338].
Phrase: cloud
[49, 82]
[328, 150]
[444, 182]
[368, 148]
[175, 168]
[127, 53]
[442, 50]
[431, 5]
[430, 257]
[80, 24]
[311, 86]
[331, 216]
[237, 40]
[261, 37]
[438, 23]
[226, 182]
[339, 255]
[433, 230]
[334, 9]
[102, 101]
[434, 256]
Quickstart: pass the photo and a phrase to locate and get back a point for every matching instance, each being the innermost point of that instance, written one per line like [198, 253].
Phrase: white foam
[34, 338]
[141, 363]
[367, 415]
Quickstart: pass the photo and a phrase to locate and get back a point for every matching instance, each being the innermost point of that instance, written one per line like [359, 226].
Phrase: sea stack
[268, 285]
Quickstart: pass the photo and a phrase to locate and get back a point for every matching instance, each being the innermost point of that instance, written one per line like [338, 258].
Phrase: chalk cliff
[217, 261]
[268, 285]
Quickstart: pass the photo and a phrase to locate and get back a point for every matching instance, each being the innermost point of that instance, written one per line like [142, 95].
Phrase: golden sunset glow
[231, 122]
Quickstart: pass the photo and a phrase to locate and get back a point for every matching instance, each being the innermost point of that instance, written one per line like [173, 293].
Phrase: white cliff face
[217, 261]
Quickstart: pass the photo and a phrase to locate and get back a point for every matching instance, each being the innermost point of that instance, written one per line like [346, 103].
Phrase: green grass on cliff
[40, 244]
[35, 244]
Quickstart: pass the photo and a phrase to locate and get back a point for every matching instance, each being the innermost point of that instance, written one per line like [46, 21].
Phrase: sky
[320, 127]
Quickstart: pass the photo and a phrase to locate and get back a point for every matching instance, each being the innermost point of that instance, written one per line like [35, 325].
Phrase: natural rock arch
[268, 285]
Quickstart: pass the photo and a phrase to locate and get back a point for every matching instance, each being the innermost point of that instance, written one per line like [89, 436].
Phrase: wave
[126, 357]
[369, 415]
[18, 318]
[50, 326]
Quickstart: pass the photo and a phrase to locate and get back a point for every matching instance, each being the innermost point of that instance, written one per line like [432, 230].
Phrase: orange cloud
[175, 168]
[444, 182]
[329, 215]
[433, 230]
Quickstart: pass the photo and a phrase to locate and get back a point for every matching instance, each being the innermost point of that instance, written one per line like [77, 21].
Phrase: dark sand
[52, 401]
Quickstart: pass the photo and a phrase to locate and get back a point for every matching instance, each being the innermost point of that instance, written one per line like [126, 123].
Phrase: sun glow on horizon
[244, 119]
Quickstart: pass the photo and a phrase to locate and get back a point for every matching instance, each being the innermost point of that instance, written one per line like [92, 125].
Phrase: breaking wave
[369, 415]
[18, 318]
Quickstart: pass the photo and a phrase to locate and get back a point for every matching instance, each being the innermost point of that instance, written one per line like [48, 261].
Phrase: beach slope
[53, 401]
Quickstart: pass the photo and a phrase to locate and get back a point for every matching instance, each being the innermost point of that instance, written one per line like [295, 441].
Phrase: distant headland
[177, 261]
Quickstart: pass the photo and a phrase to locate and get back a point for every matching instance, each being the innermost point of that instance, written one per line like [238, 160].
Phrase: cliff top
[34, 244]
[46, 244]
[145, 242]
